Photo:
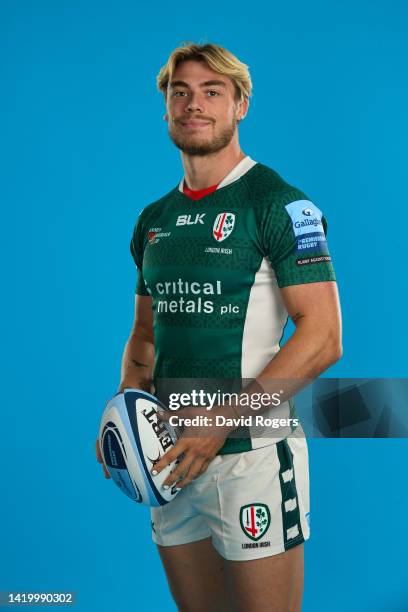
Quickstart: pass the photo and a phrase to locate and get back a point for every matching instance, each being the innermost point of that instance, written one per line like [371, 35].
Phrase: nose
[194, 103]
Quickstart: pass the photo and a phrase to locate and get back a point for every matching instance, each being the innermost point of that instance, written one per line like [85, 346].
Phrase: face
[202, 112]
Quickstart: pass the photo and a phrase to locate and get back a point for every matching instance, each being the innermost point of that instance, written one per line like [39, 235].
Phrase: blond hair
[217, 58]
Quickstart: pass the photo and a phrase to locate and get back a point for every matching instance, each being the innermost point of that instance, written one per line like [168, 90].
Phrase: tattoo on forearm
[138, 364]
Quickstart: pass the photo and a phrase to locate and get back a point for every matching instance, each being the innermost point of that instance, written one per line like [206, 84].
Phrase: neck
[204, 171]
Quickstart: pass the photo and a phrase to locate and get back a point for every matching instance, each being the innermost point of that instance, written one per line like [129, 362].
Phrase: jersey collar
[239, 170]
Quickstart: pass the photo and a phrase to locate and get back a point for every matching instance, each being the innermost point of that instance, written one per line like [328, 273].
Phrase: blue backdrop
[83, 149]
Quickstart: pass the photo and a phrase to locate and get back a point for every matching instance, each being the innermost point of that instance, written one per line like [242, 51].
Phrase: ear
[242, 109]
[166, 117]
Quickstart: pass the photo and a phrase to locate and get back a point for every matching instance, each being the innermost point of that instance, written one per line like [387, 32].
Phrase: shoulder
[271, 194]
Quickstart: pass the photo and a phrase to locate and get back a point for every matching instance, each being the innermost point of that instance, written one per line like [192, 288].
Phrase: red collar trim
[197, 194]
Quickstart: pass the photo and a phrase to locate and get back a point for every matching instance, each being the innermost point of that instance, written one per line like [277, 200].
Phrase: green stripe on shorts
[292, 528]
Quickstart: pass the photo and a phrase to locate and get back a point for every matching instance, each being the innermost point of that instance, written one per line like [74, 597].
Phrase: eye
[212, 91]
[177, 93]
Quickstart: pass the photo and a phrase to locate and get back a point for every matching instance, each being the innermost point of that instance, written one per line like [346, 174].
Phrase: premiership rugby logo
[255, 520]
[223, 226]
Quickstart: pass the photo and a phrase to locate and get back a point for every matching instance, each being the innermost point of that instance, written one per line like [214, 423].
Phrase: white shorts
[252, 504]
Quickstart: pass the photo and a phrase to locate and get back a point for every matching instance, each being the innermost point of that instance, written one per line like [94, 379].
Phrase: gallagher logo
[307, 222]
[223, 225]
[308, 212]
[255, 520]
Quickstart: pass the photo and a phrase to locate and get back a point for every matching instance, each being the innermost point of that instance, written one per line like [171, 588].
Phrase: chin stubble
[204, 148]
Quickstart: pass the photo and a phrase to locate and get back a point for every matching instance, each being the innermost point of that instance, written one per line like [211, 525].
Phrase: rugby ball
[132, 440]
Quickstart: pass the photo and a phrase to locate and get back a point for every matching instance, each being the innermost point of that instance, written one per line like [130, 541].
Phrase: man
[222, 260]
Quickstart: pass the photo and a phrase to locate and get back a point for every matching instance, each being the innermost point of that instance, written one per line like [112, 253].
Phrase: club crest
[255, 520]
[223, 226]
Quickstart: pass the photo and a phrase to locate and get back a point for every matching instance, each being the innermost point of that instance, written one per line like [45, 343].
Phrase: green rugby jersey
[213, 268]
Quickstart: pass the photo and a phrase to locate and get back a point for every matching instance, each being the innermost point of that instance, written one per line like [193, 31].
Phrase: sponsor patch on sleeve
[311, 245]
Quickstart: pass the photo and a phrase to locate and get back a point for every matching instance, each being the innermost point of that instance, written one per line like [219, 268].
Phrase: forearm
[137, 362]
[307, 353]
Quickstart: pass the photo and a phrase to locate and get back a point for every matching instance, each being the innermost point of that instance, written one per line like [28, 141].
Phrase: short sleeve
[137, 249]
[295, 240]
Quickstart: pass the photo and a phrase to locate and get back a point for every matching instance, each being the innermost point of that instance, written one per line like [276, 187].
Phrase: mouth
[194, 124]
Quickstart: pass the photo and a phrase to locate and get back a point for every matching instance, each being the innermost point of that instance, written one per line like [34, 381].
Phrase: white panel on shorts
[291, 504]
[287, 475]
[177, 522]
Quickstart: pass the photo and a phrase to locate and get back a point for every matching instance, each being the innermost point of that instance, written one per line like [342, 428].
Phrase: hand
[100, 459]
[198, 444]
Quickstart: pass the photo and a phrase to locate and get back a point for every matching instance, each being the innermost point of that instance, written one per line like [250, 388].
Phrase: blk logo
[190, 219]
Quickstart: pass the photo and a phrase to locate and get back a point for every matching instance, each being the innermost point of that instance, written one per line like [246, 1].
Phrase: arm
[138, 354]
[315, 344]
